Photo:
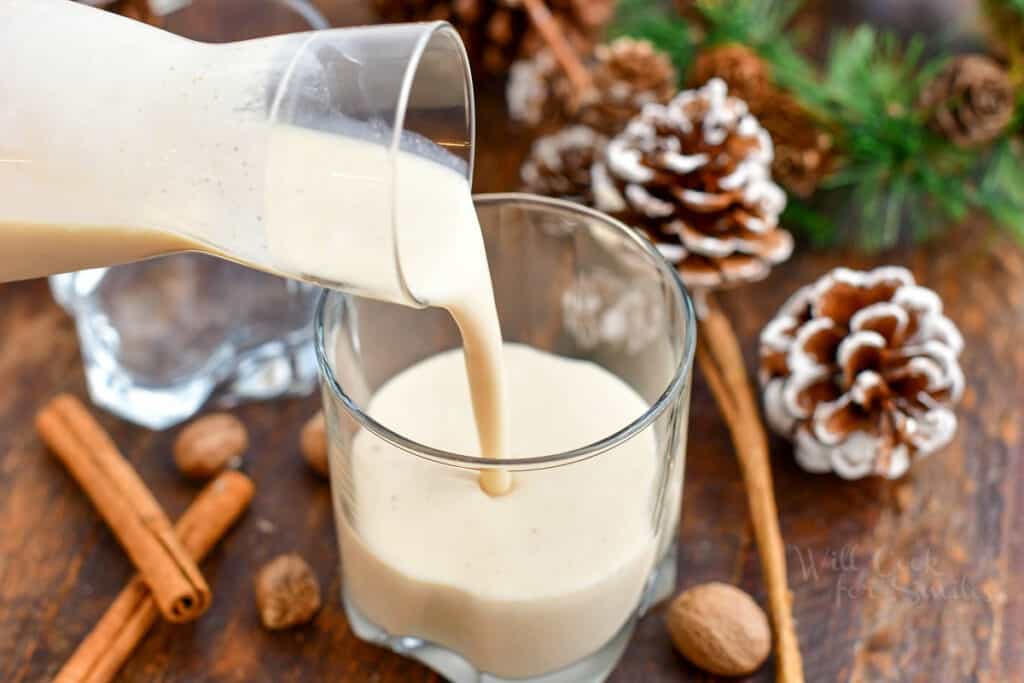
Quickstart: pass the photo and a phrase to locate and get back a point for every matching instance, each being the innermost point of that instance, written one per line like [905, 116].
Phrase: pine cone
[803, 151]
[860, 370]
[970, 101]
[559, 164]
[497, 32]
[694, 175]
[628, 74]
[535, 90]
[747, 75]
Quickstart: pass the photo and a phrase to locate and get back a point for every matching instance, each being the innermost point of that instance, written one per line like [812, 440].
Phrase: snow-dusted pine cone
[604, 308]
[803, 150]
[497, 32]
[748, 76]
[559, 164]
[804, 153]
[536, 89]
[695, 176]
[860, 370]
[628, 74]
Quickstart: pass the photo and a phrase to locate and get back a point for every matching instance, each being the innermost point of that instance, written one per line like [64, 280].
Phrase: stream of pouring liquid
[440, 248]
[175, 166]
[329, 206]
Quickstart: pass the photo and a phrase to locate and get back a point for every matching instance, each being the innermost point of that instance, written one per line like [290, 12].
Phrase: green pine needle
[897, 180]
[812, 223]
[761, 25]
[905, 179]
[1001, 189]
[752, 22]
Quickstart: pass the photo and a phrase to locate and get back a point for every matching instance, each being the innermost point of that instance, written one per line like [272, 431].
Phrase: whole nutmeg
[313, 443]
[208, 445]
[287, 592]
[720, 628]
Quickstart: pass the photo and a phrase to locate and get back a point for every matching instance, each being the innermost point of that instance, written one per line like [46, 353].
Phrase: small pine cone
[860, 370]
[628, 74]
[694, 175]
[971, 101]
[498, 32]
[603, 308]
[747, 75]
[803, 151]
[559, 164]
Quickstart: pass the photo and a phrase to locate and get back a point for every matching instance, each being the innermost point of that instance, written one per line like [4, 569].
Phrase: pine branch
[657, 23]
[808, 221]
[896, 179]
[902, 176]
[1001, 189]
[762, 25]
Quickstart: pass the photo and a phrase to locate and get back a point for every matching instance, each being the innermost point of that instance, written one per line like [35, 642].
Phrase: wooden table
[917, 581]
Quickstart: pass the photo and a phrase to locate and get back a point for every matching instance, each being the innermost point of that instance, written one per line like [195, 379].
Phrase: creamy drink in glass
[544, 582]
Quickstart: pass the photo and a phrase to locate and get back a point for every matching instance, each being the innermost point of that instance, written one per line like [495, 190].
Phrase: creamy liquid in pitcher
[187, 158]
[31, 250]
[313, 185]
[440, 248]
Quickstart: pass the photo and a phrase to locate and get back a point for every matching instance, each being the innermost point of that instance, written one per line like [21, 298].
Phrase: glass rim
[431, 30]
[675, 385]
[423, 35]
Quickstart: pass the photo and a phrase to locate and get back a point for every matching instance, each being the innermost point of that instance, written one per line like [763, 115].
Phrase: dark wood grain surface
[918, 581]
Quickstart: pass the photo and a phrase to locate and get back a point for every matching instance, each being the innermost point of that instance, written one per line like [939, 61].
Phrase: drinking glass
[573, 282]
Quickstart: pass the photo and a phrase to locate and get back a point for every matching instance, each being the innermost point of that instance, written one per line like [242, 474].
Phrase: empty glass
[572, 282]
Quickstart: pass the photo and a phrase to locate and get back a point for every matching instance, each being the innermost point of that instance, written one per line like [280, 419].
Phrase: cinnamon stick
[563, 52]
[127, 505]
[721, 360]
[104, 651]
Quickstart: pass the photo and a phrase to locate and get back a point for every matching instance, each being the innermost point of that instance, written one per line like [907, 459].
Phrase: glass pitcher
[160, 337]
[120, 141]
